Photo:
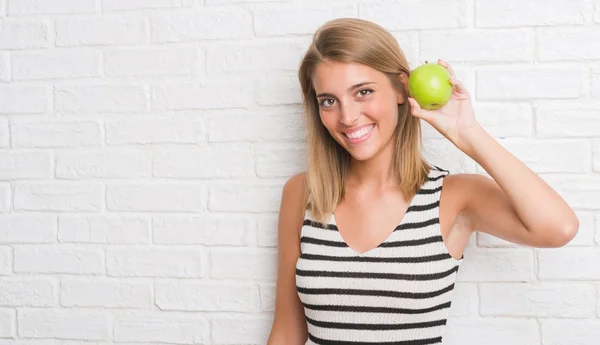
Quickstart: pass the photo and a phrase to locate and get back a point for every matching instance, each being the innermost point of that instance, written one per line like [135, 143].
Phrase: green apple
[429, 84]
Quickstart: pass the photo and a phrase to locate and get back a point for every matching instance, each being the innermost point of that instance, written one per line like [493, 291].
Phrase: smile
[359, 136]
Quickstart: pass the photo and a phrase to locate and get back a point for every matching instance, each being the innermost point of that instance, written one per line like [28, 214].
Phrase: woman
[369, 241]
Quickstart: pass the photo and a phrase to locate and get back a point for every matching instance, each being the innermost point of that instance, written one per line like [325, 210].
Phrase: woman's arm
[516, 204]
[289, 324]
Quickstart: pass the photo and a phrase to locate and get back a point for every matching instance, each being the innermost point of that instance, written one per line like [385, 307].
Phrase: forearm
[539, 207]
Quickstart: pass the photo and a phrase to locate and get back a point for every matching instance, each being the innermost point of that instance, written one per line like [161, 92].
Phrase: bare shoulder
[461, 192]
[291, 213]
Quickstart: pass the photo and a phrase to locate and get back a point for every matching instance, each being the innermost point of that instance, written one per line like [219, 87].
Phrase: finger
[460, 87]
[447, 65]
[417, 111]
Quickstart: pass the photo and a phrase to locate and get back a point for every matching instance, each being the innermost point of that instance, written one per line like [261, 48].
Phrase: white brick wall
[144, 144]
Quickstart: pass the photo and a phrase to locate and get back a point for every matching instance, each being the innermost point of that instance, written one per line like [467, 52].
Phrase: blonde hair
[357, 41]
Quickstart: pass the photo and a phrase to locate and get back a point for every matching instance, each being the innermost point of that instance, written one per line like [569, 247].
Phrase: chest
[364, 222]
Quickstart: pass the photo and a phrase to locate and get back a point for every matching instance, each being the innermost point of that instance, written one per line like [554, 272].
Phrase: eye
[364, 92]
[326, 103]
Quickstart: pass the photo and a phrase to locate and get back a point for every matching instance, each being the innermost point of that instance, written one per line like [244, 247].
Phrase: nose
[349, 114]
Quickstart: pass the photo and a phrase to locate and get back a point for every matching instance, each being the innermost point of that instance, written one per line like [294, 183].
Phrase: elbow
[565, 234]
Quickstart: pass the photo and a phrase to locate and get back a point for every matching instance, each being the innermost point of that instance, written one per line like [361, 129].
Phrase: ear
[403, 80]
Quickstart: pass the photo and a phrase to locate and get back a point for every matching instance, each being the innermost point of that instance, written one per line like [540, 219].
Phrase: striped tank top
[397, 293]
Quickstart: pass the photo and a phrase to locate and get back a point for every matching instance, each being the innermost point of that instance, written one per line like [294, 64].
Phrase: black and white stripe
[397, 293]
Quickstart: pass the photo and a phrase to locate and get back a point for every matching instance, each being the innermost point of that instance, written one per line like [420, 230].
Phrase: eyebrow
[349, 89]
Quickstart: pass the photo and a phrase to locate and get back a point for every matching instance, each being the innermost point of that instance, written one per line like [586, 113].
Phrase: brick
[497, 265]
[595, 82]
[596, 153]
[465, 300]
[105, 293]
[100, 98]
[227, 2]
[478, 46]
[6, 260]
[280, 160]
[4, 66]
[38, 7]
[155, 262]
[154, 131]
[23, 34]
[8, 322]
[569, 263]
[267, 230]
[255, 56]
[538, 300]
[28, 292]
[210, 94]
[4, 133]
[126, 5]
[499, 118]
[207, 296]
[71, 324]
[23, 99]
[107, 229]
[218, 161]
[149, 327]
[567, 119]
[557, 44]
[63, 258]
[267, 296]
[443, 153]
[80, 164]
[205, 24]
[58, 196]
[244, 197]
[409, 44]
[492, 331]
[518, 83]
[5, 197]
[547, 156]
[564, 331]
[55, 133]
[597, 219]
[284, 19]
[150, 62]
[241, 330]
[209, 229]
[101, 30]
[142, 197]
[25, 164]
[277, 89]
[580, 191]
[256, 126]
[58, 64]
[17, 228]
[415, 15]
[243, 264]
[528, 13]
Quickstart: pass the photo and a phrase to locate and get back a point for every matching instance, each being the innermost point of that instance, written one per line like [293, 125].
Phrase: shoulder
[294, 187]
[461, 191]
[292, 208]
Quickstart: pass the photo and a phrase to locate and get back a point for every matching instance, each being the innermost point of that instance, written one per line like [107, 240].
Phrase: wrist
[471, 138]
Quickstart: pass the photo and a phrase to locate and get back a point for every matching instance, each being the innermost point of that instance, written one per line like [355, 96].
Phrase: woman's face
[358, 105]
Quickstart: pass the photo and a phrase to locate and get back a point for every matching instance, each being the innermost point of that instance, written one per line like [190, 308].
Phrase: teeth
[360, 133]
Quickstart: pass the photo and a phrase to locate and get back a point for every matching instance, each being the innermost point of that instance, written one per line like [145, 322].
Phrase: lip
[352, 141]
[354, 129]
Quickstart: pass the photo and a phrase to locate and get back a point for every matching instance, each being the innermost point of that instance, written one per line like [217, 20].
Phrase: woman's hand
[456, 118]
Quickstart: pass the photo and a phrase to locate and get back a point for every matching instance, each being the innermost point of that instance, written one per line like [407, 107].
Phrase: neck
[376, 172]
